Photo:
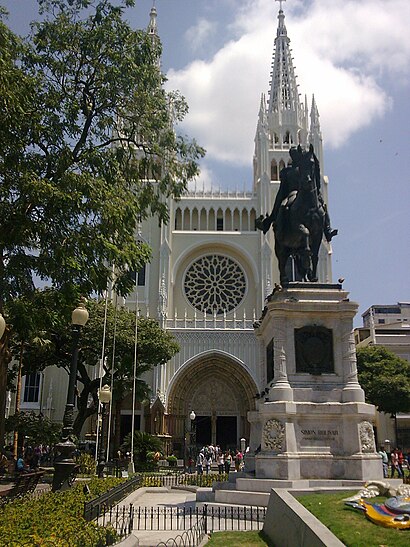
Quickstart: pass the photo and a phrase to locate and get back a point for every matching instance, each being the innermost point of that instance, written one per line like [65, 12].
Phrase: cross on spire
[280, 4]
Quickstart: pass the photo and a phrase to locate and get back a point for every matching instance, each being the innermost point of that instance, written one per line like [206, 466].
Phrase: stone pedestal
[313, 422]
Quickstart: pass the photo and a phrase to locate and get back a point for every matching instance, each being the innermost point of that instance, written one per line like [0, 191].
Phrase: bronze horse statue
[299, 219]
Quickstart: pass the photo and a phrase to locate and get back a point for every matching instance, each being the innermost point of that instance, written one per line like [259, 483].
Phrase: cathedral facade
[210, 273]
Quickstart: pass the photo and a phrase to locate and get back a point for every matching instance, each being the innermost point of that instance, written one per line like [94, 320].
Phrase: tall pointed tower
[282, 123]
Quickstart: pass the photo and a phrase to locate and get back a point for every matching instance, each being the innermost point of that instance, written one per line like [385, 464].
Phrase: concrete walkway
[156, 497]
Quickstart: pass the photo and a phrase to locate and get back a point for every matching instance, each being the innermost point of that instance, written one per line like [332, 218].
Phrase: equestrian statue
[299, 216]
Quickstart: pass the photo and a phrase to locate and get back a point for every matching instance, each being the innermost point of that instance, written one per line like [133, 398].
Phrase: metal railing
[152, 519]
[94, 508]
[190, 538]
[183, 479]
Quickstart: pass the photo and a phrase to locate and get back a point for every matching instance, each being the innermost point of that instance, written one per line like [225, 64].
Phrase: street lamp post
[104, 395]
[192, 435]
[64, 463]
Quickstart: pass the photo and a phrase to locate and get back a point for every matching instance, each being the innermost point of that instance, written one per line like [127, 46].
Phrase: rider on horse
[289, 187]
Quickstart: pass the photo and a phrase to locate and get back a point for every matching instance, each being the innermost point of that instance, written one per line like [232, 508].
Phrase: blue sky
[354, 55]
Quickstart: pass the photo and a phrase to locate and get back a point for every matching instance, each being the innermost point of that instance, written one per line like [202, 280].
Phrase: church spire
[152, 27]
[283, 94]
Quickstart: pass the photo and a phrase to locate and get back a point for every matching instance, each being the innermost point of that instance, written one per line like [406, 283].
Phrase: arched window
[187, 219]
[274, 170]
[228, 220]
[220, 220]
[178, 219]
[211, 220]
[245, 221]
[195, 219]
[252, 220]
[281, 165]
[202, 220]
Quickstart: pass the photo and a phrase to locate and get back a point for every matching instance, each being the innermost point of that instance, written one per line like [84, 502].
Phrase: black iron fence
[94, 508]
[212, 518]
[183, 479]
[190, 538]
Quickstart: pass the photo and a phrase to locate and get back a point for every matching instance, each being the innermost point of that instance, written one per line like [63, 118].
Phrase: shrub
[86, 463]
[143, 444]
[151, 481]
[205, 480]
[54, 517]
[172, 460]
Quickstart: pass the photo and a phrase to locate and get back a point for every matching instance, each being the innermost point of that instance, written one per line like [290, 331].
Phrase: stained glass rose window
[215, 283]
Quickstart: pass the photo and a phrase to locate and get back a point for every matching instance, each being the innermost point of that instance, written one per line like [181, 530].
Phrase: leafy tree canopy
[88, 148]
[385, 379]
[34, 428]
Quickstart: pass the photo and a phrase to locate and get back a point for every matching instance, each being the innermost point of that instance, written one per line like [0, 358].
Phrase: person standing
[200, 463]
[190, 464]
[385, 461]
[238, 460]
[220, 462]
[228, 461]
[394, 458]
[400, 461]
[208, 462]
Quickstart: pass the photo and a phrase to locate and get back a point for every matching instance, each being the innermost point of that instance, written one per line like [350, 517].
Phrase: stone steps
[248, 491]
[240, 497]
[265, 485]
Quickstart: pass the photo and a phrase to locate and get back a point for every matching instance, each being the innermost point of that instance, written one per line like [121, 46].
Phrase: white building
[388, 326]
[211, 272]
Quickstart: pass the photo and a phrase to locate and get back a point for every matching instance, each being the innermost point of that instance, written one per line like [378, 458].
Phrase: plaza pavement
[156, 497]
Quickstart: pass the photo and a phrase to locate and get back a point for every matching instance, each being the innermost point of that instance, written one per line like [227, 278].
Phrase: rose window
[215, 283]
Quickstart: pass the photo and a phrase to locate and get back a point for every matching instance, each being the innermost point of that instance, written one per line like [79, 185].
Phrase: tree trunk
[18, 397]
[4, 365]
[84, 411]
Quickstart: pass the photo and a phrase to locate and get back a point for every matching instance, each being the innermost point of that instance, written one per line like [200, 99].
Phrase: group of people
[27, 461]
[397, 461]
[214, 454]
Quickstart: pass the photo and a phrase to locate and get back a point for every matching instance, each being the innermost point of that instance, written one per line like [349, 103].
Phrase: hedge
[56, 519]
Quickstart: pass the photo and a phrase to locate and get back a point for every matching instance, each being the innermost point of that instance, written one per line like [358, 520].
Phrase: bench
[24, 483]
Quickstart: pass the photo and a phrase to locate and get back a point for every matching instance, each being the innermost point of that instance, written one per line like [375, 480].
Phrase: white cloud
[204, 181]
[198, 35]
[344, 51]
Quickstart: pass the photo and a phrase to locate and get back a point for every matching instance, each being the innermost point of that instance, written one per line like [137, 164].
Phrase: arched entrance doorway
[220, 391]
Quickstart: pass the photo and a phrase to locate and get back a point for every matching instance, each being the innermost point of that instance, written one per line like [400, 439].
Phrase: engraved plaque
[314, 350]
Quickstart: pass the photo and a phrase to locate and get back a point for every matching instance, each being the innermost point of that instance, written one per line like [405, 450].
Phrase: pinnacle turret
[152, 27]
[284, 90]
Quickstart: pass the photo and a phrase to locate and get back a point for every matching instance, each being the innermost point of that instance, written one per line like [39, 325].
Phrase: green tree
[34, 428]
[385, 379]
[143, 444]
[87, 149]
[155, 346]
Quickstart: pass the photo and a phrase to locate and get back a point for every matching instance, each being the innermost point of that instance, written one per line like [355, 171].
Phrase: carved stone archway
[213, 385]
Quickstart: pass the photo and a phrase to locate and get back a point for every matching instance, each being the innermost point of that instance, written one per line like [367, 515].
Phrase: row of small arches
[287, 138]
[221, 219]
